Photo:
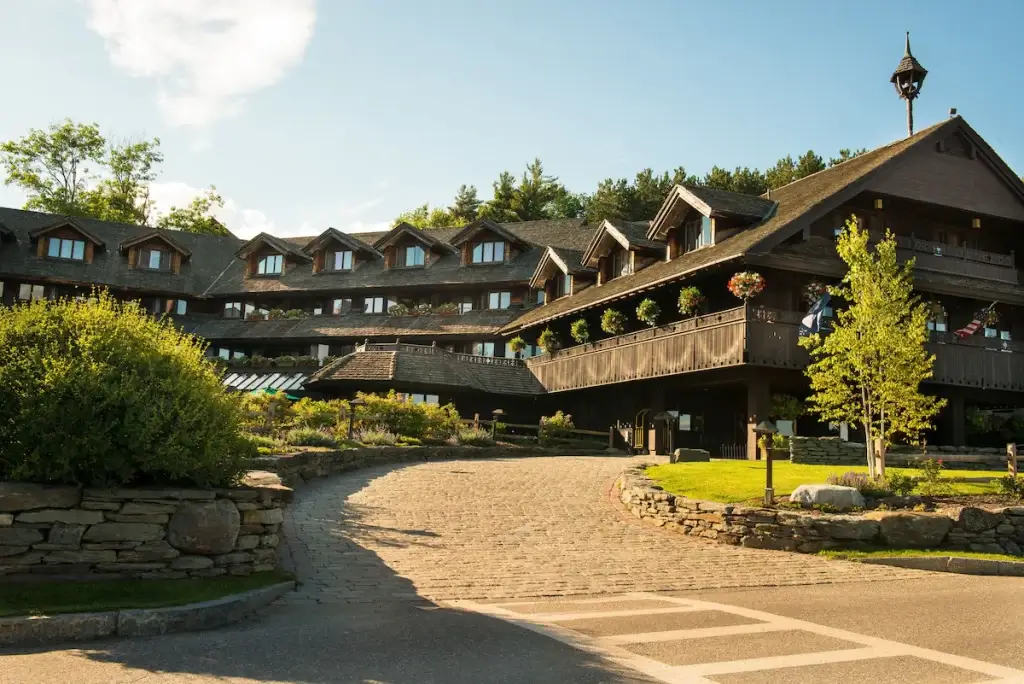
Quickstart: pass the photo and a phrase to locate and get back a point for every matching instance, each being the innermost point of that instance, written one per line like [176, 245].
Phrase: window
[705, 231]
[232, 309]
[539, 296]
[620, 263]
[341, 306]
[62, 248]
[319, 351]
[465, 305]
[421, 398]
[414, 256]
[155, 259]
[181, 307]
[1004, 334]
[377, 305]
[499, 300]
[528, 351]
[938, 321]
[488, 252]
[31, 292]
[270, 265]
[564, 284]
[224, 353]
[342, 261]
[318, 311]
[483, 348]
[991, 332]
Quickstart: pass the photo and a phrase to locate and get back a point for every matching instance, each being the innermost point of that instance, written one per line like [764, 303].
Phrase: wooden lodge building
[430, 312]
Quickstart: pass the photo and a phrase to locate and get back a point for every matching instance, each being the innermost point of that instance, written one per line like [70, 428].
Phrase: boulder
[911, 530]
[66, 535]
[690, 456]
[115, 531]
[978, 520]
[827, 495]
[846, 527]
[206, 528]
[20, 496]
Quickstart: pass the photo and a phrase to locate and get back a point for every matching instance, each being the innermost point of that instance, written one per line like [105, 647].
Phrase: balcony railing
[438, 351]
[943, 258]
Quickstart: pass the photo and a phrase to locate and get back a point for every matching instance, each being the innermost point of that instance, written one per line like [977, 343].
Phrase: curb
[953, 563]
[35, 630]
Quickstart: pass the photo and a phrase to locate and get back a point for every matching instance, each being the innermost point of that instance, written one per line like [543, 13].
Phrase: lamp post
[496, 415]
[764, 429]
[352, 414]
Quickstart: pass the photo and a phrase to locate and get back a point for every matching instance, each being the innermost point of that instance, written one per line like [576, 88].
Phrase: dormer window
[414, 255]
[270, 265]
[64, 248]
[341, 261]
[488, 252]
[155, 259]
[621, 263]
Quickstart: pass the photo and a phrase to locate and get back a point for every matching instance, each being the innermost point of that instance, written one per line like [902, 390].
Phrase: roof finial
[906, 50]
[908, 79]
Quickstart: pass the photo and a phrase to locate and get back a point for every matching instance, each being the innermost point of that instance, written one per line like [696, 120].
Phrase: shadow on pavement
[383, 633]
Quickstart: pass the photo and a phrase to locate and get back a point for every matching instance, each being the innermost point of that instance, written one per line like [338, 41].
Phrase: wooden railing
[438, 351]
[942, 258]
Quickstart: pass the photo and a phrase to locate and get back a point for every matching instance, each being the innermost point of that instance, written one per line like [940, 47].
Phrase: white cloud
[207, 56]
[244, 223]
[346, 216]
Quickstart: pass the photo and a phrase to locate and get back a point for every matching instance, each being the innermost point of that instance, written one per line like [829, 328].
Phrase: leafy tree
[54, 167]
[846, 155]
[869, 369]
[569, 205]
[466, 206]
[536, 192]
[424, 217]
[783, 173]
[124, 196]
[718, 178]
[611, 201]
[197, 216]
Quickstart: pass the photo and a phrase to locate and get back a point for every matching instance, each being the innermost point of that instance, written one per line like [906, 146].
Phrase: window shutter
[41, 246]
[175, 262]
[89, 248]
[318, 260]
[133, 256]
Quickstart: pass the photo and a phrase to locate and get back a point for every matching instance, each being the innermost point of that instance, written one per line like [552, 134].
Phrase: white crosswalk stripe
[559, 625]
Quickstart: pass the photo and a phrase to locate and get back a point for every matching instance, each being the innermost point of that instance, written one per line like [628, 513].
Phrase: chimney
[952, 112]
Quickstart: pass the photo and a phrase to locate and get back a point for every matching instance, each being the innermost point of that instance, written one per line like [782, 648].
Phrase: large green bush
[555, 428]
[100, 393]
[403, 418]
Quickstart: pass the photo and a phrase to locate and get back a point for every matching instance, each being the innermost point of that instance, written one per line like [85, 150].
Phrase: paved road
[373, 546]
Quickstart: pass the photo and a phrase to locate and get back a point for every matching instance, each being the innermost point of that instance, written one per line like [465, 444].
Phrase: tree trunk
[880, 458]
[868, 446]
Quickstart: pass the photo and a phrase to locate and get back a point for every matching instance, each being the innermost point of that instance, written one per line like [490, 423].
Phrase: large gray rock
[690, 456]
[114, 531]
[846, 527]
[19, 536]
[907, 530]
[71, 516]
[20, 496]
[978, 520]
[66, 535]
[827, 495]
[204, 528]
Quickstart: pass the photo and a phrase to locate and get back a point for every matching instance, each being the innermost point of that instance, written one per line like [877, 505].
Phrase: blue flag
[815, 320]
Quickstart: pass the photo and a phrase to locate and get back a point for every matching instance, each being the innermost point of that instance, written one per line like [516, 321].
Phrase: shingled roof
[794, 205]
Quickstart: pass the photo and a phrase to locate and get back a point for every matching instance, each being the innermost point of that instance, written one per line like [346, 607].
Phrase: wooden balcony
[962, 261]
[757, 337]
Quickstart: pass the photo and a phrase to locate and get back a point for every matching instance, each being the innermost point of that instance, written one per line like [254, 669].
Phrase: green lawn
[50, 598]
[736, 481]
[916, 553]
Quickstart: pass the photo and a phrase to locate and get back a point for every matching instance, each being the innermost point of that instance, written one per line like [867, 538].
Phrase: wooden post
[1011, 459]
[611, 437]
[476, 421]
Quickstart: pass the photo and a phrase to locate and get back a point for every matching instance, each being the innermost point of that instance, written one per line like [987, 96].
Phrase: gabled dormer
[336, 252]
[66, 240]
[560, 274]
[267, 256]
[485, 242]
[406, 246]
[619, 248]
[155, 251]
[695, 217]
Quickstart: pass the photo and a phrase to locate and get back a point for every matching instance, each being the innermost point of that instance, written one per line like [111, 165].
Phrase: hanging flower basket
[690, 300]
[746, 285]
[814, 290]
[991, 318]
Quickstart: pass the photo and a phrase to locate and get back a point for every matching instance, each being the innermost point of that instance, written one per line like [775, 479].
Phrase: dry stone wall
[834, 451]
[973, 529]
[164, 533]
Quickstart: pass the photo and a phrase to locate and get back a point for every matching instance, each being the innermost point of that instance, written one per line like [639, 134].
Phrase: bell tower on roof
[908, 79]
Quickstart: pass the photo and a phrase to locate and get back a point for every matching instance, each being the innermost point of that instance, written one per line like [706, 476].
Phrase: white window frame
[482, 349]
[490, 252]
[270, 265]
[28, 292]
[420, 258]
[181, 307]
[338, 305]
[370, 304]
[234, 306]
[66, 248]
[342, 260]
[504, 300]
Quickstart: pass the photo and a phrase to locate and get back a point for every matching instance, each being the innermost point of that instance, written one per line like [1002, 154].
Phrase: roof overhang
[549, 262]
[343, 239]
[482, 225]
[277, 244]
[679, 202]
[406, 230]
[155, 235]
[608, 234]
[67, 222]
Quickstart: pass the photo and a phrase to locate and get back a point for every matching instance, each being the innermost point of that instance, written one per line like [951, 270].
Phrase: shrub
[773, 441]
[900, 483]
[648, 312]
[932, 483]
[310, 437]
[398, 310]
[306, 360]
[613, 322]
[310, 413]
[555, 427]
[295, 313]
[98, 392]
[372, 437]
[690, 300]
[580, 331]
[286, 361]
[259, 361]
[517, 344]
[275, 314]
[423, 310]
[548, 341]
[1010, 486]
[447, 309]
[475, 437]
[266, 411]
[388, 412]
[861, 482]
[408, 441]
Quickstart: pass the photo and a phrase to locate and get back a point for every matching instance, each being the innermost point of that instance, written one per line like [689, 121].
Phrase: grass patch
[915, 553]
[51, 598]
[737, 481]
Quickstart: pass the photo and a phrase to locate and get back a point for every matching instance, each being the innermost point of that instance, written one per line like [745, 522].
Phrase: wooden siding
[758, 337]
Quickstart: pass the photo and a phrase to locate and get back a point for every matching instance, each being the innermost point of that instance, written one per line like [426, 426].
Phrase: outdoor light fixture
[496, 415]
[975, 223]
[352, 414]
[763, 429]
[879, 204]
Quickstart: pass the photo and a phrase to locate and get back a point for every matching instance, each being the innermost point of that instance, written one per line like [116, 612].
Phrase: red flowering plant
[814, 290]
[746, 285]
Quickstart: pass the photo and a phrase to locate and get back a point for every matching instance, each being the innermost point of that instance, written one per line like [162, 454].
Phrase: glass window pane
[24, 291]
[492, 300]
[249, 308]
[54, 248]
[38, 292]
[182, 307]
[261, 269]
[318, 311]
[506, 300]
[79, 250]
[478, 253]
[488, 349]
[224, 353]
[705, 231]
[990, 332]
[65, 249]
[154, 258]
[1004, 334]
[432, 399]
[499, 251]
[488, 251]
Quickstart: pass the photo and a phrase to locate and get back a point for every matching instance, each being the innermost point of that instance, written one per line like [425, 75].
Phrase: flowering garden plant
[991, 317]
[690, 300]
[814, 290]
[746, 285]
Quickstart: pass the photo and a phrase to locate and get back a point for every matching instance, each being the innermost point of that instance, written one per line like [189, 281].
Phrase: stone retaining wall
[974, 529]
[164, 533]
[834, 451]
[311, 462]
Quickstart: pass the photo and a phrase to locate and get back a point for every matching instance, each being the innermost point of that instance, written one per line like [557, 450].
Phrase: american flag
[976, 322]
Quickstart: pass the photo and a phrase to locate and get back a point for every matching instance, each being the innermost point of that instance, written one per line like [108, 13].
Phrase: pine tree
[807, 164]
[466, 206]
[499, 209]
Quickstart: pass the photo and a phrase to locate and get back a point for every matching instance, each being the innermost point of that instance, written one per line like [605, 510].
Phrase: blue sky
[307, 114]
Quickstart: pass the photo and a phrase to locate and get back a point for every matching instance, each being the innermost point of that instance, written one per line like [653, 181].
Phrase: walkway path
[515, 528]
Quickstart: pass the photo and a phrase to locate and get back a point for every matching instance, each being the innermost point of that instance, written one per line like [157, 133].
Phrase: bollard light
[764, 429]
[496, 415]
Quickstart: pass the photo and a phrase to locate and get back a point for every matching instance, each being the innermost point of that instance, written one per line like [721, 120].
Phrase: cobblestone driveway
[513, 528]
